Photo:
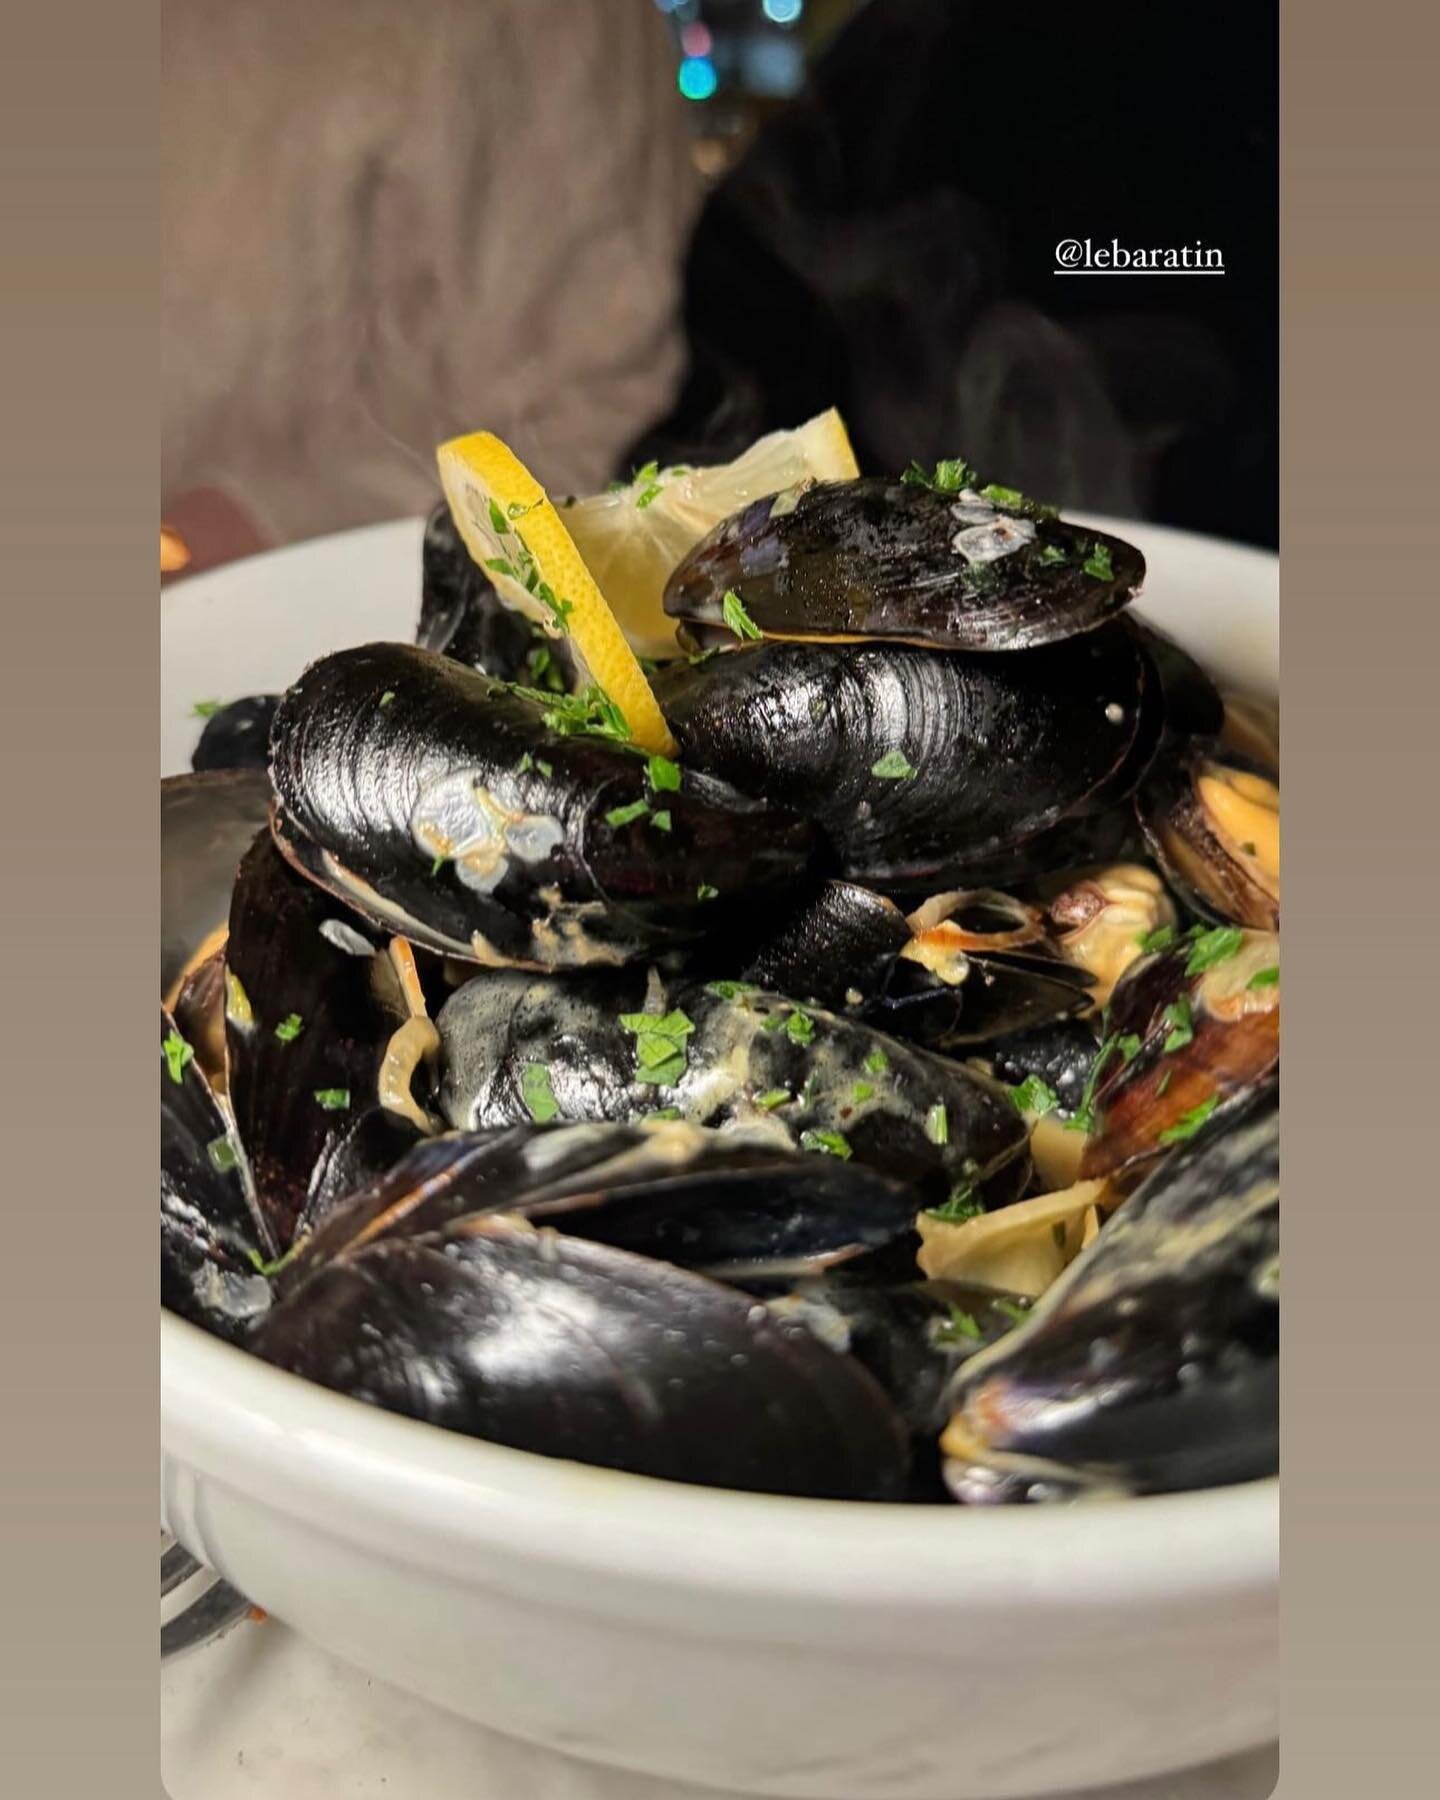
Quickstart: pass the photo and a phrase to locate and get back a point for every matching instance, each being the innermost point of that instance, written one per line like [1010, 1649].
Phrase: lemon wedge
[510, 527]
[633, 536]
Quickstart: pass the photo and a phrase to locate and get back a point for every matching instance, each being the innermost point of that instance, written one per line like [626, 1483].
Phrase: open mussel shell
[462, 617]
[442, 805]
[517, 1047]
[1212, 821]
[1193, 704]
[211, 1234]
[207, 823]
[836, 945]
[1060, 1055]
[237, 736]
[1194, 1032]
[921, 769]
[732, 1204]
[567, 1348]
[881, 559]
[1152, 1363]
[312, 1002]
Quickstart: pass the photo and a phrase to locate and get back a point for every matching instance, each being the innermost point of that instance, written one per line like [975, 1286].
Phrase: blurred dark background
[891, 181]
[612, 230]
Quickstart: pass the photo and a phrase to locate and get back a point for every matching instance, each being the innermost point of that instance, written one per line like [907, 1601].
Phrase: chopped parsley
[767, 1102]
[665, 1112]
[659, 1045]
[951, 474]
[861, 1091]
[517, 509]
[876, 1063]
[1163, 1083]
[525, 764]
[829, 1143]
[207, 709]
[1265, 978]
[627, 815]
[537, 1093]
[1083, 1118]
[545, 768]
[1182, 1026]
[177, 1054]
[387, 696]
[800, 1027]
[1013, 1310]
[439, 863]
[1212, 947]
[960, 1206]
[1161, 938]
[1052, 553]
[1035, 1096]
[733, 612]
[937, 1124]
[333, 1099]
[959, 1327]
[222, 1155]
[663, 775]
[289, 1028]
[1189, 1123]
[1097, 564]
[661, 820]
[729, 990]
[894, 765]
[1128, 1046]
[267, 1269]
[591, 712]
[706, 892]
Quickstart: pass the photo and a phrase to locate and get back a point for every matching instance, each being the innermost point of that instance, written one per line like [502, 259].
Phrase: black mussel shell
[517, 1047]
[574, 1349]
[352, 1161]
[923, 770]
[462, 617]
[1214, 878]
[207, 823]
[1193, 706]
[1152, 1363]
[880, 559]
[732, 1204]
[238, 736]
[1060, 1054]
[444, 806]
[211, 1235]
[836, 945]
[1194, 1031]
[311, 1004]
[999, 994]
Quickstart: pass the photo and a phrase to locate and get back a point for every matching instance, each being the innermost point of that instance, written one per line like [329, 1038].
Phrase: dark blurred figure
[887, 245]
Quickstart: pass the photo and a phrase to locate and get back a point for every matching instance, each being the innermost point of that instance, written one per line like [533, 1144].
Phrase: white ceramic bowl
[770, 1646]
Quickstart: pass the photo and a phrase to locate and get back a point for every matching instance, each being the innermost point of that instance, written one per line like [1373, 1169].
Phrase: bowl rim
[292, 1444]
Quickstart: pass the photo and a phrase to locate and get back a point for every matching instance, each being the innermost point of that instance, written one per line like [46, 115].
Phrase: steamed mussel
[876, 1101]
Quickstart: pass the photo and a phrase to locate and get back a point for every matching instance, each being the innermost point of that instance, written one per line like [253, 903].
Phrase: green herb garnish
[207, 709]
[1163, 1083]
[1263, 978]
[178, 1055]
[289, 1028]
[1035, 1096]
[961, 1205]
[1161, 938]
[1012, 1310]
[861, 1091]
[661, 820]
[267, 1269]
[665, 1112]
[659, 1045]
[663, 775]
[730, 990]
[937, 1124]
[525, 764]
[706, 892]
[1128, 1046]
[333, 1099]
[1182, 1026]
[387, 696]
[894, 765]
[768, 1101]
[1052, 553]
[545, 768]
[537, 1093]
[627, 815]
[951, 474]
[830, 1143]
[733, 612]
[1189, 1123]
[222, 1155]
[876, 1063]
[957, 1328]
[439, 863]
[1212, 947]
[800, 1027]
[1097, 564]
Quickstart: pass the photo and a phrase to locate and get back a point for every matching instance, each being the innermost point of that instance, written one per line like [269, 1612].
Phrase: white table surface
[260, 1712]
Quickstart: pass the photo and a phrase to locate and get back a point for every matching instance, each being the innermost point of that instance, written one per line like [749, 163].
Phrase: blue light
[697, 79]
[783, 12]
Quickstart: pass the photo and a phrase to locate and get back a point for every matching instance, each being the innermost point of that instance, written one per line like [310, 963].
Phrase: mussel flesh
[1212, 821]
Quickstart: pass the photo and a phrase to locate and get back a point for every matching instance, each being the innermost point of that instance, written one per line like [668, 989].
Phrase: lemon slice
[510, 527]
[632, 537]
